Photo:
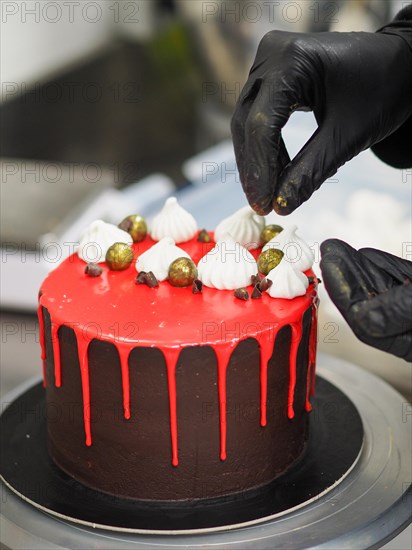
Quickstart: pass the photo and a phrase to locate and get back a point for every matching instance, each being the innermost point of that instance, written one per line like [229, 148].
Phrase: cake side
[132, 458]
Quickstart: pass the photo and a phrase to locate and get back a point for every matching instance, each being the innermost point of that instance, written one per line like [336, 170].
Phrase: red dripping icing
[42, 341]
[124, 352]
[296, 337]
[266, 343]
[308, 406]
[310, 381]
[171, 356]
[313, 341]
[223, 354]
[82, 347]
[56, 353]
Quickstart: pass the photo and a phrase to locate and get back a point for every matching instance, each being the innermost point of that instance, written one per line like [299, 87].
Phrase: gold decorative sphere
[136, 227]
[269, 259]
[182, 272]
[119, 256]
[269, 232]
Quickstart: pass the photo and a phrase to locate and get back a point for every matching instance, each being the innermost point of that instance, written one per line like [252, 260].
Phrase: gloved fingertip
[330, 246]
[255, 185]
[287, 197]
[261, 210]
[293, 188]
[282, 206]
[336, 248]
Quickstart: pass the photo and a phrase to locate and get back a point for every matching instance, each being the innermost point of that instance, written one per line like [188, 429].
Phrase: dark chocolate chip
[255, 279]
[241, 293]
[147, 278]
[93, 270]
[256, 293]
[312, 279]
[204, 236]
[151, 280]
[265, 284]
[126, 224]
[197, 286]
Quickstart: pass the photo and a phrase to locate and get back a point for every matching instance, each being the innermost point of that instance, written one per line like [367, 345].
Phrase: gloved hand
[359, 86]
[373, 291]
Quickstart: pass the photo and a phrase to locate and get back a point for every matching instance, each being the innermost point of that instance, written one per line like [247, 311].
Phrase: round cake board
[335, 444]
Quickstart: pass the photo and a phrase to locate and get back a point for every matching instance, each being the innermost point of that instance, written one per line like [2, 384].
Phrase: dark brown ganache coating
[131, 458]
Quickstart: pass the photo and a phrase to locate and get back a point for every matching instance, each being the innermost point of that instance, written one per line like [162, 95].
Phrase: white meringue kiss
[98, 238]
[288, 282]
[159, 257]
[228, 266]
[296, 251]
[245, 226]
[173, 221]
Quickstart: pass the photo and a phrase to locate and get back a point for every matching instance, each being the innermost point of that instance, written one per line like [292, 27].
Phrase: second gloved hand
[373, 291]
[359, 86]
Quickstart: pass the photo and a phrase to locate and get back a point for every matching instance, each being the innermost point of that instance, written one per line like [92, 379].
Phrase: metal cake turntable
[359, 497]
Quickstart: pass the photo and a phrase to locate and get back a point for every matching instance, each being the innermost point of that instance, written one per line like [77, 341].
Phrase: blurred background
[108, 107]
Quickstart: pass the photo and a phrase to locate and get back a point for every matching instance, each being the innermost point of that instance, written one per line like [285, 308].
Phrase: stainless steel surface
[367, 509]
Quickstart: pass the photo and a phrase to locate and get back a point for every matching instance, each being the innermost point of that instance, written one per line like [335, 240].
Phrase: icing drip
[82, 346]
[223, 354]
[124, 352]
[42, 341]
[313, 338]
[308, 405]
[171, 356]
[294, 346]
[56, 354]
[266, 343]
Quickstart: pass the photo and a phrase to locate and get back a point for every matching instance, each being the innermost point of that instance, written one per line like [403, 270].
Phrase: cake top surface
[112, 307]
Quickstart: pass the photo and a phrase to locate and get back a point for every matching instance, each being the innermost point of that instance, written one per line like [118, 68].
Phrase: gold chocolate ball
[119, 256]
[182, 272]
[136, 227]
[269, 259]
[269, 232]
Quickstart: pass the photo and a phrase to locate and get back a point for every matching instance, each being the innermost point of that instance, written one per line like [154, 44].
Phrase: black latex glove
[359, 86]
[373, 291]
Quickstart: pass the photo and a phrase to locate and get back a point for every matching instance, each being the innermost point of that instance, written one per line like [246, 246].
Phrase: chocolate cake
[160, 392]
